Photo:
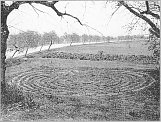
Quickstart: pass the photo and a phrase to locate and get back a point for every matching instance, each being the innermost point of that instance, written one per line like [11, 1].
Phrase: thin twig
[73, 17]
[34, 9]
[133, 24]
[92, 28]
[149, 12]
[39, 9]
[84, 10]
[145, 18]
[66, 6]
[15, 28]
[112, 15]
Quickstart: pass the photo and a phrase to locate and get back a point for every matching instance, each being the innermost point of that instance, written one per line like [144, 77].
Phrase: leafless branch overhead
[143, 17]
[148, 11]
[15, 5]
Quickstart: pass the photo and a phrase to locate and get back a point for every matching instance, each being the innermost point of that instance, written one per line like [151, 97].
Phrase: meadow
[67, 84]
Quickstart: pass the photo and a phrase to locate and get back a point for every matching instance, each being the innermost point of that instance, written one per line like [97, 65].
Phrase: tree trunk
[50, 45]
[71, 43]
[41, 48]
[83, 41]
[14, 53]
[4, 36]
[26, 52]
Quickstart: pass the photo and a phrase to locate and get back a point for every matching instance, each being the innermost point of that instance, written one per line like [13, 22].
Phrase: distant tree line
[132, 37]
[31, 39]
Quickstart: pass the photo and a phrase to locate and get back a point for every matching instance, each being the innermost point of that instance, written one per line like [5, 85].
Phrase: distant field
[125, 48]
[122, 47]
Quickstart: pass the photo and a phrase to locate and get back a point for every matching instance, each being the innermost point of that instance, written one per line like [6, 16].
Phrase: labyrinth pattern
[81, 82]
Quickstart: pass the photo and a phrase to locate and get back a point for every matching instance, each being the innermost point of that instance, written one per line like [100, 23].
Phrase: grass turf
[140, 105]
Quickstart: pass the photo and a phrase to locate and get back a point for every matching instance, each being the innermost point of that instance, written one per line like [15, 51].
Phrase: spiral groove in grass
[80, 82]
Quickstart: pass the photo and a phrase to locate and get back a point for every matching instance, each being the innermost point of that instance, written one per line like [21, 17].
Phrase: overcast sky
[96, 14]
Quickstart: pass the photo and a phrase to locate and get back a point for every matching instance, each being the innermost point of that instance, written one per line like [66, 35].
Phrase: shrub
[13, 61]
[139, 59]
[30, 56]
[11, 96]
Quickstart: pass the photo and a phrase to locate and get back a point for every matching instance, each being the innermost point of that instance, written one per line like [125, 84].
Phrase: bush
[11, 96]
[30, 56]
[13, 61]
[15, 99]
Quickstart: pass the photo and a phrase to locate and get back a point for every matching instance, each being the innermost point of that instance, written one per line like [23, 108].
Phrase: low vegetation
[137, 59]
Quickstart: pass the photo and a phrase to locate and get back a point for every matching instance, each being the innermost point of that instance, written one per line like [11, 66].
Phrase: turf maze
[81, 82]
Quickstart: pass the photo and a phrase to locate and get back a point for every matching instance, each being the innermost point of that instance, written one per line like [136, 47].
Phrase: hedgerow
[138, 59]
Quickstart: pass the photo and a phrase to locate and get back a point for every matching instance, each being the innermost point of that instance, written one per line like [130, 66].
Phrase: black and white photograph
[80, 61]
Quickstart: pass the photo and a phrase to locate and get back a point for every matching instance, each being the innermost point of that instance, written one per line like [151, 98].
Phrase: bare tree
[84, 38]
[17, 49]
[50, 38]
[147, 11]
[28, 40]
[13, 41]
[5, 11]
[41, 42]
[74, 38]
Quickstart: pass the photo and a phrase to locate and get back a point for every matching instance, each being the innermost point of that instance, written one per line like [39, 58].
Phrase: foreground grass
[141, 105]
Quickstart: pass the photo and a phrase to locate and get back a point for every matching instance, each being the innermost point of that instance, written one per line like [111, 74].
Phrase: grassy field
[71, 89]
[127, 48]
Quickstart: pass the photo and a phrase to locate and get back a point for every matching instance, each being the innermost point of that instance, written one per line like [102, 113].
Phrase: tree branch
[16, 5]
[152, 31]
[149, 12]
[156, 5]
[60, 13]
[34, 9]
[132, 25]
[138, 9]
[84, 10]
[153, 26]
[72, 17]
[113, 14]
[9, 26]
[147, 5]
[92, 28]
